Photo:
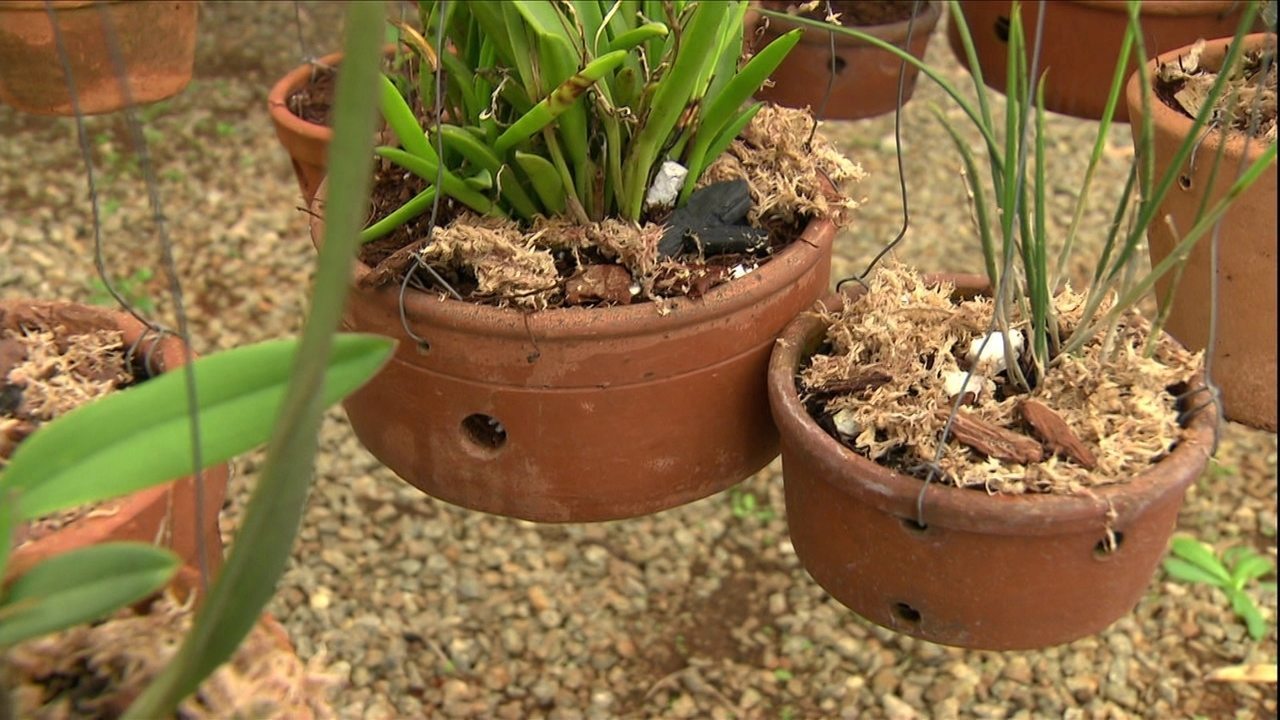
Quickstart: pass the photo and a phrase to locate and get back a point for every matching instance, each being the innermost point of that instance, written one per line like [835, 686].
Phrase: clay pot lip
[592, 324]
[889, 32]
[961, 508]
[59, 5]
[1171, 122]
[278, 106]
[97, 529]
[1162, 7]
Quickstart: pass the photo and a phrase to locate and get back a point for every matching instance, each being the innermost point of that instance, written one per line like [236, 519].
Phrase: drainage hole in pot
[1108, 546]
[905, 612]
[1002, 28]
[912, 525]
[424, 347]
[1184, 181]
[840, 64]
[485, 431]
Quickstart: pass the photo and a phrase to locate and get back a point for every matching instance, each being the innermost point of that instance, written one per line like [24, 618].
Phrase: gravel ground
[426, 609]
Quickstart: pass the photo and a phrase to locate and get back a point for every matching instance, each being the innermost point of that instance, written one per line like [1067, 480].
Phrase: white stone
[992, 358]
[666, 186]
[845, 423]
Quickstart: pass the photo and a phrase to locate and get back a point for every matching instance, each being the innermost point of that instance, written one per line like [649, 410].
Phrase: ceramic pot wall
[1244, 352]
[983, 571]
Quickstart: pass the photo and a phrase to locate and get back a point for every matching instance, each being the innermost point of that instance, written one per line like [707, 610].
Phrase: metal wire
[170, 266]
[902, 172]
[438, 110]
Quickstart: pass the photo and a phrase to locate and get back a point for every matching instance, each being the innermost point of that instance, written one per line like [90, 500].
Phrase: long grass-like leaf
[270, 522]
[723, 107]
[669, 99]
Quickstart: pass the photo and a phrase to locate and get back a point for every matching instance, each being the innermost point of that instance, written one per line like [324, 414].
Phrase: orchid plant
[550, 108]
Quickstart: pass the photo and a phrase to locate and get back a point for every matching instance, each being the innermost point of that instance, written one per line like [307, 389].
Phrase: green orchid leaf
[450, 184]
[96, 452]
[403, 123]
[80, 586]
[723, 108]
[416, 206]
[555, 104]
[545, 180]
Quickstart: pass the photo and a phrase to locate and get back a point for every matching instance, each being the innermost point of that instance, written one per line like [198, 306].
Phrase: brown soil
[852, 13]
[1248, 99]
[313, 102]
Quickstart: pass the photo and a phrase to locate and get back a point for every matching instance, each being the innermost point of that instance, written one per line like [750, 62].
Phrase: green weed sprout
[554, 108]
[1195, 562]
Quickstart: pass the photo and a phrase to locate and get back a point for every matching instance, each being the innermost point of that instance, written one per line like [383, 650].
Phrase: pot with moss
[1244, 349]
[1082, 41]
[581, 342]
[1000, 472]
[155, 42]
[1030, 536]
[864, 81]
[57, 356]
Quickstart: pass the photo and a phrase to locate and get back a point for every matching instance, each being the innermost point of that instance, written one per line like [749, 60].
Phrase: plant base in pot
[162, 514]
[865, 82]
[989, 571]
[156, 42]
[1082, 40]
[98, 670]
[1244, 353]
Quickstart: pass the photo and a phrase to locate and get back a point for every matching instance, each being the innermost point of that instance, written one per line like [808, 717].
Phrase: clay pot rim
[278, 97]
[98, 529]
[1162, 7]
[59, 5]
[593, 323]
[278, 105]
[893, 32]
[967, 509]
[1172, 122]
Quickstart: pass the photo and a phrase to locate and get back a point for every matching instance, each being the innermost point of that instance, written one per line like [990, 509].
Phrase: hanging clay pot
[581, 414]
[163, 514]
[156, 42]
[306, 142]
[994, 572]
[1082, 40]
[866, 78]
[1244, 353]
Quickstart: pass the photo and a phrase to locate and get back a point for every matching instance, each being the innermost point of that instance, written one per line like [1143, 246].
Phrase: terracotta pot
[157, 42]
[1244, 354]
[987, 571]
[866, 78]
[144, 516]
[581, 414]
[307, 143]
[1082, 42]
